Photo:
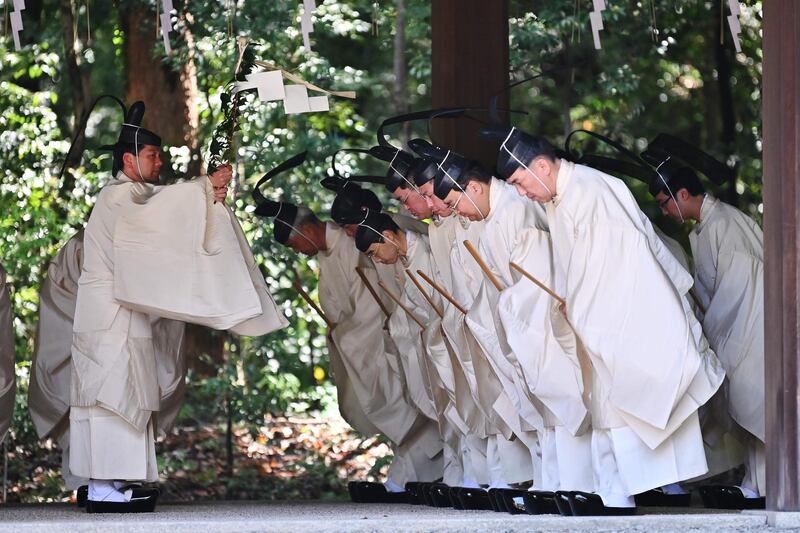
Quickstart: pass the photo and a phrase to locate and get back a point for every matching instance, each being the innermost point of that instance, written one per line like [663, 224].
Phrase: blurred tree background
[254, 406]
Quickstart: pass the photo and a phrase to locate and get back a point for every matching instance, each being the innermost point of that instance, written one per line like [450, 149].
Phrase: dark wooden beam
[470, 64]
[781, 158]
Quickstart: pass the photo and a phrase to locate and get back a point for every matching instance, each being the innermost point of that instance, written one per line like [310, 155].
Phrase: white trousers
[105, 446]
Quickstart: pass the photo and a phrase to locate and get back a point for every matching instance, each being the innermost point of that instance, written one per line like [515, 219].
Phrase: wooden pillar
[781, 158]
[469, 65]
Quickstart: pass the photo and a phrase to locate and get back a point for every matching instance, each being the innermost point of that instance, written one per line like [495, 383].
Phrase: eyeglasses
[663, 203]
[455, 204]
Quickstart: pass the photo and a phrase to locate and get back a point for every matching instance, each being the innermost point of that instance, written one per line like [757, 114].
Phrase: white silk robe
[152, 251]
[728, 251]
[7, 361]
[625, 296]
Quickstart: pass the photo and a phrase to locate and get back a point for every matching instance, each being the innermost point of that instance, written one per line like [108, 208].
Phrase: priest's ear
[542, 165]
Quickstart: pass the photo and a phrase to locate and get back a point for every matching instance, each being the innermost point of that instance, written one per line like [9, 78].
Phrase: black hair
[476, 172]
[682, 178]
[371, 230]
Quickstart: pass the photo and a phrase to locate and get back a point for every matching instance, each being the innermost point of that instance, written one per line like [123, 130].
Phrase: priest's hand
[562, 308]
[220, 193]
[219, 181]
[222, 177]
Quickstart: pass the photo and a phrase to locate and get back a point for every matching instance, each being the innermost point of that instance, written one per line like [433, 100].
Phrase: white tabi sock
[673, 488]
[391, 486]
[470, 484]
[101, 490]
[748, 493]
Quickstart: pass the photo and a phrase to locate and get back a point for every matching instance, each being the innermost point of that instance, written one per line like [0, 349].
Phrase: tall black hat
[131, 135]
[284, 214]
[517, 148]
[669, 155]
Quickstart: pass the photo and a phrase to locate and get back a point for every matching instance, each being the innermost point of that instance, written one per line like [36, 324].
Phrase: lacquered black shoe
[414, 493]
[81, 495]
[659, 498]
[425, 489]
[589, 504]
[541, 502]
[728, 497]
[513, 500]
[474, 499]
[455, 499]
[143, 504]
[440, 495]
[561, 499]
[369, 492]
[497, 501]
[352, 489]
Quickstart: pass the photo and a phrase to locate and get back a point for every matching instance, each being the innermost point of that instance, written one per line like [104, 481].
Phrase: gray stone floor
[330, 517]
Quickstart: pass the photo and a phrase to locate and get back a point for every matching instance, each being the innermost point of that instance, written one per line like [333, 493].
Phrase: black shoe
[352, 489]
[142, 504]
[497, 501]
[659, 498]
[588, 504]
[81, 495]
[368, 492]
[541, 502]
[455, 499]
[425, 489]
[728, 497]
[474, 499]
[561, 499]
[413, 489]
[513, 500]
[440, 495]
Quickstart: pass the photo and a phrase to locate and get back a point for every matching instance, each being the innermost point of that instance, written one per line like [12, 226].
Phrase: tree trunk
[170, 96]
[727, 112]
[400, 93]
[79, 88]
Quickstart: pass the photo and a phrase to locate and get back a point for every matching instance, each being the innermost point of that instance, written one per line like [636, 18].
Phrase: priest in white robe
[172, 251]
[648, 375]
[49, 387]
[370, 381]
[727, 248]
[7, 360]
[516, 231]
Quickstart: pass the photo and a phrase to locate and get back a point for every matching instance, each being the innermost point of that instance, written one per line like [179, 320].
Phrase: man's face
[301, 245]
[437, 205]
[472, 202]
[524, 180]
[668, 206]
[416, 204]
[385, 252]
[147, 165]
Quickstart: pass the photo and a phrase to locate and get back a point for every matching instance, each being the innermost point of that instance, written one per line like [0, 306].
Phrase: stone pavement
[335, 517]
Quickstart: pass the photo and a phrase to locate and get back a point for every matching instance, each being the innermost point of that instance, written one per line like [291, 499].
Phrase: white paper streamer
[16, 22]
[166, 23]
[306, 26]
[596, 21]
[733, 22]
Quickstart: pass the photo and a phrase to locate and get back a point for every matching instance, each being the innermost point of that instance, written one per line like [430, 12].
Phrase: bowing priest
[149, 251]
[546, 378]
[7, 362]
[370, 382]
[728, 254]
[648, 377]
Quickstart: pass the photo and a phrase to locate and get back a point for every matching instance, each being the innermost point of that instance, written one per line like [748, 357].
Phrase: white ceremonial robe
[150, 251]
[648, 375]
[495, 457]
[728, 251]
[435, 354]
[8, 376]
[49, 388]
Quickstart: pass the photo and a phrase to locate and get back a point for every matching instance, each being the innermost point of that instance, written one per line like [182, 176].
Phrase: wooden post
[469, 65]
[781, 159]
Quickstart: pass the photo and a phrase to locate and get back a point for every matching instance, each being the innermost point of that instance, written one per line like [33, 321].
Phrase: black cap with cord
[284, 214]
[669, 155]
[131, 136]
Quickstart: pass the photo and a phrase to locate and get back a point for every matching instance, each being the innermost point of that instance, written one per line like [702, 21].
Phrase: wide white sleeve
[177, 255]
